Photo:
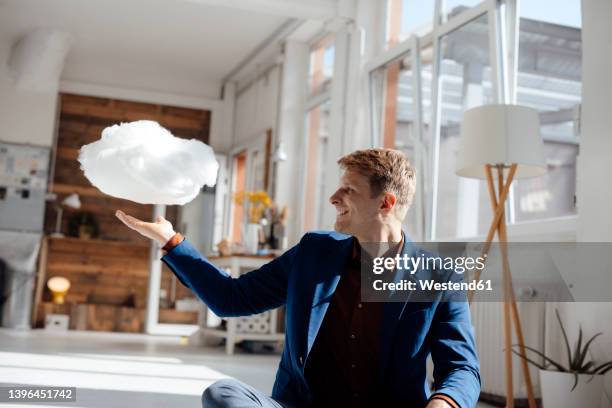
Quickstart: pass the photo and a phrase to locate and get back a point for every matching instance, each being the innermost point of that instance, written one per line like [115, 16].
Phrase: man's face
[357, 210]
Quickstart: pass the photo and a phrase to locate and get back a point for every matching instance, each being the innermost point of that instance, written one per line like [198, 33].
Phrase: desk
[238, 327]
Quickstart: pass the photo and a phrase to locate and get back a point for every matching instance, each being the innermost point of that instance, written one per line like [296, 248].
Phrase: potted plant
[579, 383]
[256, 203]
[83, 225]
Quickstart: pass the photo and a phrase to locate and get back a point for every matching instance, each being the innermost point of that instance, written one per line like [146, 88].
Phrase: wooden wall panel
[113, 268]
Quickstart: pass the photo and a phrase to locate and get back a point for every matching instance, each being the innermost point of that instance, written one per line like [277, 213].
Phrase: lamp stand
[511, 314]
[58, 223]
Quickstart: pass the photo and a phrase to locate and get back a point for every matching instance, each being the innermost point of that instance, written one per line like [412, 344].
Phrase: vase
[251, 238]
[557, 390]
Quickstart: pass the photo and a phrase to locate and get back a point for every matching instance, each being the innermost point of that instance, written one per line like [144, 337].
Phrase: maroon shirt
[343, 365]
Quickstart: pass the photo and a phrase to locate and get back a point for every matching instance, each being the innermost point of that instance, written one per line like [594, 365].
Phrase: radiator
[488, 322]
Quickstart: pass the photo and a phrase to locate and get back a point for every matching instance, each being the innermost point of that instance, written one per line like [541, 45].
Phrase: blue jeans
[230, 393]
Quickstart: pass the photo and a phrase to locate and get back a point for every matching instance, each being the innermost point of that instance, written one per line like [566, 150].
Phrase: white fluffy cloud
[143, 162]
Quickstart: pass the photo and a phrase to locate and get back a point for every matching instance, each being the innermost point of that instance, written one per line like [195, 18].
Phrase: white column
[367, 40]
[290, 173]
[594, 193]
[155, 271]
[338, 122]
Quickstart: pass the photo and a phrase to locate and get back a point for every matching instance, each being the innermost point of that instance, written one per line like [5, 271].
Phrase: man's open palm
[161, 230]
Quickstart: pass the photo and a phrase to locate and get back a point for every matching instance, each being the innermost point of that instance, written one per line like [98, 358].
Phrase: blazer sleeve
[251, 293]
[453, 351]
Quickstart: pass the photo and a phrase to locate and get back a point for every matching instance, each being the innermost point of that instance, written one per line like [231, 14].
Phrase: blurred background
[280, 89]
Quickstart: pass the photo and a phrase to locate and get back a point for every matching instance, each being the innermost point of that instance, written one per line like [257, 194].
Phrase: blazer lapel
[392, 313]
[329, 267]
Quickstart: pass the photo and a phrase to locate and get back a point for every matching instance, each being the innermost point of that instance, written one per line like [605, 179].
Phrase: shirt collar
[393, 250]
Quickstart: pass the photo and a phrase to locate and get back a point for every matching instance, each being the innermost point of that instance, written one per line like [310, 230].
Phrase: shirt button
[301, 360]
[359, 305]
[353, 365]
[353, 336]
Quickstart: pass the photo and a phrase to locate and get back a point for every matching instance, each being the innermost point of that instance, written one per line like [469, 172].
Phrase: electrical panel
[24, 171]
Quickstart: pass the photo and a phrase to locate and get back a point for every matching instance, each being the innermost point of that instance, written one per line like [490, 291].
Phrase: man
[340, 351]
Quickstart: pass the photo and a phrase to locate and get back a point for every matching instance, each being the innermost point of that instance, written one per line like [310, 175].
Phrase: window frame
[411, 48]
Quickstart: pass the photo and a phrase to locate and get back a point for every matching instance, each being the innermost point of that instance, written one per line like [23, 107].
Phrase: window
[321, 69]
[455, 7]
[463, 208]
[239, 162]
[398, 120]
[549, 80]
[407, 17]
[316, 132]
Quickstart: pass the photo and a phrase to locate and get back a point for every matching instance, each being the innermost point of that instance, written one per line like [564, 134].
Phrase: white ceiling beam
[305, 10]
[266, 50]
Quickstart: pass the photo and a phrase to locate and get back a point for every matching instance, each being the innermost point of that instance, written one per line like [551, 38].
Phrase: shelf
[97, 241]
[59, 188]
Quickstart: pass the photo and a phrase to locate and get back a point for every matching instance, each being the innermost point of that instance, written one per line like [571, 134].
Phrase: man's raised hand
[161, 230]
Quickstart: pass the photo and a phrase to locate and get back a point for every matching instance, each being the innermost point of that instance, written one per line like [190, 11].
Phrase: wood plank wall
[113, 267]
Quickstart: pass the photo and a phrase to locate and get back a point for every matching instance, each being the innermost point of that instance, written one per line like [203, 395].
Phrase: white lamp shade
[72, 201]
[58, 284]
[500, 134]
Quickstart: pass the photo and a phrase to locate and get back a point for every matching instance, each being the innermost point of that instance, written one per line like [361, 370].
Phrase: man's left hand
[437, 403]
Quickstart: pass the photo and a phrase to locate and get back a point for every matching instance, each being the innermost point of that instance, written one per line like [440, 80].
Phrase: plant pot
[557, 391]
[251, 238]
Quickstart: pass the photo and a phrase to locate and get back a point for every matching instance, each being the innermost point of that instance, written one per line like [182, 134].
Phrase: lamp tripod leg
[510, 298]
[510, 309]
[494, 224]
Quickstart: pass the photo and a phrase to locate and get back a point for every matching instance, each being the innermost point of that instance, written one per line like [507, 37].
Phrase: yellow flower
[256, 201]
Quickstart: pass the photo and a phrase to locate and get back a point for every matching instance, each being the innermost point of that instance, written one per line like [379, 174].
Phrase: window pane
[238, 184]
[551, 195]
[463, 207]
[549, 80]
[407, 17]
[395, 119]
[540, 10]
[398, 123]
[454, 7]
[317, 133]
[321, 66]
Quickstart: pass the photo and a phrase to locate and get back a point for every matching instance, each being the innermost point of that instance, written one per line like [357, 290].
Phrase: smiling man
[340, 351]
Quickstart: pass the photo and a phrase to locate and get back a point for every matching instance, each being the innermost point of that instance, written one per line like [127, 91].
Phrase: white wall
[595, 192]
[594, 167]
[257, 107]
[25, 117]
[141, 76]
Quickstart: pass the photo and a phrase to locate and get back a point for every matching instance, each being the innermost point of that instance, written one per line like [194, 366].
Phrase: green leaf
[546, 358]
[567, 345]
[575, 382]
[604, 368]
[575, 365]
[585, 368]
[587, 345]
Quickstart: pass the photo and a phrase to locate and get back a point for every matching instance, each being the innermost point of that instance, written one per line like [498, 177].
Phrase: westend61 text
[429, 285]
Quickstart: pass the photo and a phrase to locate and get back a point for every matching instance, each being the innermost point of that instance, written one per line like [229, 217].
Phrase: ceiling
[178, 46]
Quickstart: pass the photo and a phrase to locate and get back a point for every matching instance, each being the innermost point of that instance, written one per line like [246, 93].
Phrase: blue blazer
[304, 279]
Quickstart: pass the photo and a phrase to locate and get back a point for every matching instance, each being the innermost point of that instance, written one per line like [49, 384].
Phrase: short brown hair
[387, 170]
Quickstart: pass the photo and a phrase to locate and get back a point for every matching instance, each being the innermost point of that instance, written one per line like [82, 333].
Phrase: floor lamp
[504, 138]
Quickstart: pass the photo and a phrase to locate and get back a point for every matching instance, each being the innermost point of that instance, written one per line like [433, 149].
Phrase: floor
[116, 370]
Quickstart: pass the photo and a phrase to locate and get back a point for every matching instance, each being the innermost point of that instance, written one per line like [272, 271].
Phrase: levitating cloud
[143, 162]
